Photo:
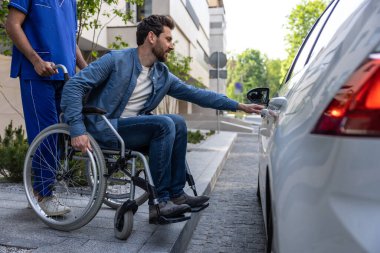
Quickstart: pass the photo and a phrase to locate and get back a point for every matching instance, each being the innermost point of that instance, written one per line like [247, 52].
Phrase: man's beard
[159, 53]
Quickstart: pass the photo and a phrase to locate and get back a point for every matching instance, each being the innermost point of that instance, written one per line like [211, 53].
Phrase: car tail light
[355, 109]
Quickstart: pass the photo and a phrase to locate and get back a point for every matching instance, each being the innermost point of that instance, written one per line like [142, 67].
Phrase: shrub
[209, 133]
[13, 148]
[197, 136]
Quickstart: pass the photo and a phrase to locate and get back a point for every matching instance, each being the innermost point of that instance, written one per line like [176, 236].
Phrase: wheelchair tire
[125, 230]
[51, 158]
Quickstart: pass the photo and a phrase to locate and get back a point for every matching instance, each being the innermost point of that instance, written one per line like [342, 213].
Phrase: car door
[278, 108]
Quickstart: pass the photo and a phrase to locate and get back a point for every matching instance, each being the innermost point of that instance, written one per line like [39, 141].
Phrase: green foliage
[5, 42]
[197, 136]
[274, 75]
[89, 13]
[211, 132]
[118, 43]
[180, 67]
[300, 21]
[252, 69]
[13, 147]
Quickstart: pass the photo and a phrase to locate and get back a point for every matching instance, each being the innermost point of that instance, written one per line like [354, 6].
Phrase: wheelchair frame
[123, 221]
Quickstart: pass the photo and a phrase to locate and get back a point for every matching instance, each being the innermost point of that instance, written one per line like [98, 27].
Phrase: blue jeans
[165, 136]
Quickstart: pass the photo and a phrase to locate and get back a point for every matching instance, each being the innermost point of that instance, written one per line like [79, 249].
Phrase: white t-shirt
[140, 94]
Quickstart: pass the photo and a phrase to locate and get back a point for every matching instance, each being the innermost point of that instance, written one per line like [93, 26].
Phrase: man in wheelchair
[128, 85]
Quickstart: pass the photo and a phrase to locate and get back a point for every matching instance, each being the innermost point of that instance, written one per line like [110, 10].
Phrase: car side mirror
[259, 96]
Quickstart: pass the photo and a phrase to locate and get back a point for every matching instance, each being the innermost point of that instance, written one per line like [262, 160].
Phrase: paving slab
[233, 222]
[22, 231]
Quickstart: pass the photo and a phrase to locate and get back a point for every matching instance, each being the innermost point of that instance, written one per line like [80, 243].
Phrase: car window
[343, 10]
[306, 47]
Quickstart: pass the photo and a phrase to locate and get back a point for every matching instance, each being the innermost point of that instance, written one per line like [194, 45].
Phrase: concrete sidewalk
[23, 230]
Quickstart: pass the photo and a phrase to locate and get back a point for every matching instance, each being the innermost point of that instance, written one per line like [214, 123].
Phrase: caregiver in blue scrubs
[44, 34]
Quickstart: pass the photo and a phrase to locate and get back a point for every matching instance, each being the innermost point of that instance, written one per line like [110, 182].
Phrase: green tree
[300, 21]
[180, 67]
[231, 68]
[89, 13]
[249, 69]
[253, 69]
[274, 75]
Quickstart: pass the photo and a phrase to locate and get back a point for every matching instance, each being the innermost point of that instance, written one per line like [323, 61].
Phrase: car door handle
[277, 103]
[264, 113]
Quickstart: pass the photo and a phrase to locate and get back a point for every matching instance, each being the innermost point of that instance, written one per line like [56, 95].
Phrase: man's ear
[151, 37]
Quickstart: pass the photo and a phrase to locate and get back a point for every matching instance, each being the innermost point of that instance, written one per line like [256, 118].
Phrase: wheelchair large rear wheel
[53, 168]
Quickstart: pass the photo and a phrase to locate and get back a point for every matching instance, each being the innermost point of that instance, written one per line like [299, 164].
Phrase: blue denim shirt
[112, 79]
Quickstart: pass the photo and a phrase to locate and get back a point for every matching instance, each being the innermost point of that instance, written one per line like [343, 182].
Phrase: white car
[319, 176]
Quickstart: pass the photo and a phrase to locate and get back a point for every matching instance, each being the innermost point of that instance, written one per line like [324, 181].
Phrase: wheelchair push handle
[66, 76]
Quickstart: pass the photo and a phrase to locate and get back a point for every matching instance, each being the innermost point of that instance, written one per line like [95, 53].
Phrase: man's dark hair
[154, 23]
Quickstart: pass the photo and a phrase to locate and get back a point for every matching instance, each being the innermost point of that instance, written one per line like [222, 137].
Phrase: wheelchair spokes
[54, 170]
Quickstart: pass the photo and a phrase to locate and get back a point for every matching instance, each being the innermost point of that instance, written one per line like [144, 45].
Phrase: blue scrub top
[50, 26]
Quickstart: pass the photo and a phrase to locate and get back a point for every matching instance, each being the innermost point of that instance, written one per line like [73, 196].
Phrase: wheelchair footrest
[162, 220]
[199, 208]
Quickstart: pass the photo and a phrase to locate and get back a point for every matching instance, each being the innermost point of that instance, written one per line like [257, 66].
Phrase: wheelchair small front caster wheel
[123, 224]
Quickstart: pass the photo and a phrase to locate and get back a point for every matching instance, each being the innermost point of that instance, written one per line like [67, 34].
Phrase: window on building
[144, 11]
[192, 14]
[216, 25]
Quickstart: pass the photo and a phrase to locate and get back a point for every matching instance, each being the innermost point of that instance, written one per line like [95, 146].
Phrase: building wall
[10, 98]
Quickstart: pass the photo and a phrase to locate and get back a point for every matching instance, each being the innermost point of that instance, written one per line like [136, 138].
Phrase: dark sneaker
[168, 210]
[192, 201]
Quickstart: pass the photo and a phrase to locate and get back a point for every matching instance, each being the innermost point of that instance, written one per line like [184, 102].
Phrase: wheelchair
[121, 179]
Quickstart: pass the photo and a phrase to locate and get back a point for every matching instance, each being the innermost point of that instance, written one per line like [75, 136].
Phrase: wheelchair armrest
[93, 110]
[101, 112]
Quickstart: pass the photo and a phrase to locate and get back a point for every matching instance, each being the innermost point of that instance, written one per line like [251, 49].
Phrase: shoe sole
[164, 221]
[197, 205]
[176, 214]
[57, 213]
